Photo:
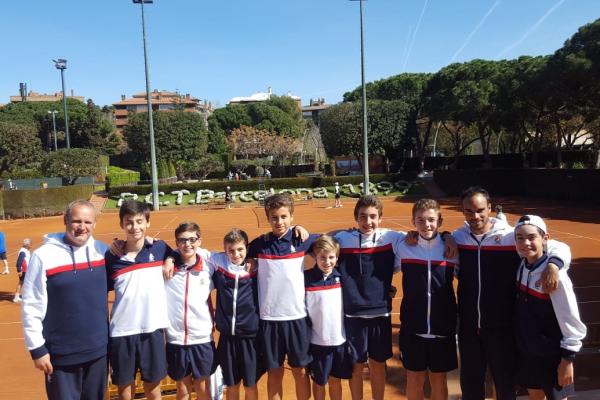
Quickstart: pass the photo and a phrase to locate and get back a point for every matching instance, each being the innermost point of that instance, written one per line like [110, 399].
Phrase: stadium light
[364, 104]
[61, 64]
[153, 168]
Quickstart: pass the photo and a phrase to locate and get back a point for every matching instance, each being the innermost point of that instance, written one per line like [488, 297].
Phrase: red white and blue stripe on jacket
[65, 309]
[428, 303]
[280, 275]
[140, 302]
[237, 298]
[367, 264]
[547, 325]
[325, 307]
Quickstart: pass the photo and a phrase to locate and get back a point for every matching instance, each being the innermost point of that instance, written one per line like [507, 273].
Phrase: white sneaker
[17, 299]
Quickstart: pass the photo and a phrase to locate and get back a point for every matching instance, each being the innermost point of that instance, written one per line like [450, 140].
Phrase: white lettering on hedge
[204, 195]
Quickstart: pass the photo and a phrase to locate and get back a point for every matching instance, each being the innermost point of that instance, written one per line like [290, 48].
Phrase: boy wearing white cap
[22, 261]
[548, 328]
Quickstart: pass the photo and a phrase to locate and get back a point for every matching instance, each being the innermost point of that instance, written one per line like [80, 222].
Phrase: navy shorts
[535, 372]
[3, 255]
[197, 360]
[144, 351]
[336, 361]
[434, 354]
[280, 338]
[370, 338]
[81, 381]
[239, 360]
[22, 278]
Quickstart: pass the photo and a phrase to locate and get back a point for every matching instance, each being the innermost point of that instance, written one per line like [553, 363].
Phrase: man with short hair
[65, 311]
[487, 271]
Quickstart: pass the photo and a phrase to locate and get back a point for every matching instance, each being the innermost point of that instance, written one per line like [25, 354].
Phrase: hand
[550, 278]
[301, 233]
[117, 247]
[168, 268]
[251, 265]
[411, 238]
[450, 247]
[565, 372]
[43, 364]
[19, 274]
[393, 291]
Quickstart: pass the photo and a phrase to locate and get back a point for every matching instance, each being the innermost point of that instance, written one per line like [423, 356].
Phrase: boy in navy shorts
[367, 263]
[190, 348]
[428, 309]
[139, 313]
[548, 328]
[332, 356]
[283, 326]
[237, 317]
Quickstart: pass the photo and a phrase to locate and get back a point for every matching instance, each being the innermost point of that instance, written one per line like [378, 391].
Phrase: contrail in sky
[408, 38]
[531, 29]
[474, 31]
[412, 42]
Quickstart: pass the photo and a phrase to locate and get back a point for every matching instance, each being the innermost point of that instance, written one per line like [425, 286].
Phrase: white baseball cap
[532, 220]
[26, 241]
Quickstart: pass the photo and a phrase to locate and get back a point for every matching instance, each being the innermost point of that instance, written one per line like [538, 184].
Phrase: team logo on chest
[292, 249]
[151, 257]
[337, 279]
[498, 238]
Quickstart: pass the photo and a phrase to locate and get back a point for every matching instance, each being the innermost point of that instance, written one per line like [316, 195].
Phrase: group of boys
[328, 321]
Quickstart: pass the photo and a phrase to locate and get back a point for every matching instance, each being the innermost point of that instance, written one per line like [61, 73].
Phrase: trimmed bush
[282, 183]
[121, 177]
[42, 202]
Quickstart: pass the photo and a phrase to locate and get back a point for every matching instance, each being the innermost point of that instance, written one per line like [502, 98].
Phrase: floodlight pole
[61, 64]
[154, 172]
[53, 112]
[364, 104]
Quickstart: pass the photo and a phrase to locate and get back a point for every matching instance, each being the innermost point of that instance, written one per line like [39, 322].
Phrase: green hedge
[559, 184]
[121, 177]
[42, 202]
[281, 183]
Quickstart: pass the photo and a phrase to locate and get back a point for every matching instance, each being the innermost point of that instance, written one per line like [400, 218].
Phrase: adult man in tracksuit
[487, 270]
[65, 311]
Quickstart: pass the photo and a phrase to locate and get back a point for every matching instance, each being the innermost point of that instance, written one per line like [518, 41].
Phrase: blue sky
[219, 49]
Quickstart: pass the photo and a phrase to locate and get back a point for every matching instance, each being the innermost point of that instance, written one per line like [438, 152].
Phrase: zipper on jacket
[235, 294]
[185, 308]
[478, 279]
[428, 293]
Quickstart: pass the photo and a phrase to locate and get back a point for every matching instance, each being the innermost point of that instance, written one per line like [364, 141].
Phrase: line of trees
[527, 104]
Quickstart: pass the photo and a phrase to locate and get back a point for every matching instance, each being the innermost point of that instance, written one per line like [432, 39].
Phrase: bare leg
[232, 392]
[302, 383]
[274, 383]
[536, 394]
[202, 388]
[414, 385]
[439, 385]
[152, 390]
[377, 376]
[184, 388]
[251, 393]
[335, 388]
[126, 392]
[356, 382]
[318, 391]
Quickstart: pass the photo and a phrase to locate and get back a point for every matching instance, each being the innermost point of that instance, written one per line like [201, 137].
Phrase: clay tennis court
[576, 224]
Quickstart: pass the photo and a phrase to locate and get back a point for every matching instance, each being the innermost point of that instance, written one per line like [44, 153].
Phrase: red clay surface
[575, 224]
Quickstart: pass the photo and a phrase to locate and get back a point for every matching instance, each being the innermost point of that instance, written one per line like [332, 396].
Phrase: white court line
[12, 338]
[10, 323]
[576, 235]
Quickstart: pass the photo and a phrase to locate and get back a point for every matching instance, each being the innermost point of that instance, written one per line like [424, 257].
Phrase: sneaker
[5, 272]
[17, 299]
